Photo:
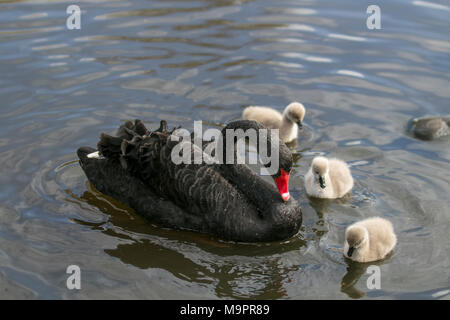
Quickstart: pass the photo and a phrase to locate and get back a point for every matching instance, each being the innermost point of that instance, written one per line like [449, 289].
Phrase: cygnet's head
[356, 237]
[295, 112]
[320, 169]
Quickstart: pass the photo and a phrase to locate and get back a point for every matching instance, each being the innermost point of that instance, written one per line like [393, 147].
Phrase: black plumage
[228, 201]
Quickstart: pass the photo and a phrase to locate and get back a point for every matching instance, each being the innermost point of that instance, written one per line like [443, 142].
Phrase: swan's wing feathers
[135, 147]
[109, 146]
[131, 129]
[113, 147]
[204, 192]
[149, 158]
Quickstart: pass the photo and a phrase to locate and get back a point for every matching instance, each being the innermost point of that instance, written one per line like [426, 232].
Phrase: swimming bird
[228, 201]
[430, 128]
[288, 122]
[369, 240]
[328, 178]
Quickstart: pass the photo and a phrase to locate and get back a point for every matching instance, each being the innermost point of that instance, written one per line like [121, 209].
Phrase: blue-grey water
[206, 60]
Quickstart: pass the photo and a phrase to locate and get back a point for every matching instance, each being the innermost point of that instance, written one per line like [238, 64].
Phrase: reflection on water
[237, 277]
[206, 60]
[355, 271]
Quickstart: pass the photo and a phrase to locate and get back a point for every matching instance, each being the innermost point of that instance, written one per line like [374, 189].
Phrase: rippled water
[191, 60]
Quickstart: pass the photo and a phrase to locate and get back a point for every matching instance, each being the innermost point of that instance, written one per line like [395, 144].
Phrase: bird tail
[133, 143]
[83, 153]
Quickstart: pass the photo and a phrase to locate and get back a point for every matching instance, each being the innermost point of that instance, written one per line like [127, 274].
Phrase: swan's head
[282, 176]
[356, 237]
[320, 170]
[284, 163]
[295, 112]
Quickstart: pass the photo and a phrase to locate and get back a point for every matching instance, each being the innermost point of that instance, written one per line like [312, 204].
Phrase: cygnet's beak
[300, 124]
[322, 182]
[350, 251]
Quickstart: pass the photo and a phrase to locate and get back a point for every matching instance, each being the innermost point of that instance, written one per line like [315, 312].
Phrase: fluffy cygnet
[369, 240]
[288, 122]
[328, 178]
[431, 127]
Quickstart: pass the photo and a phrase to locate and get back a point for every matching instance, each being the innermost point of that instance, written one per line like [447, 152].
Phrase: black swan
[228, 201]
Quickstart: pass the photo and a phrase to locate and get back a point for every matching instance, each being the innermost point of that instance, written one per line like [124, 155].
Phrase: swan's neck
[245, 125]
[288, 129]
[323, 193]
[256, 189]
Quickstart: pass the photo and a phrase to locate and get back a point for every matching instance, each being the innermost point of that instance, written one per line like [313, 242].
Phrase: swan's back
[269, 117]
[381, 235]
[340, 176]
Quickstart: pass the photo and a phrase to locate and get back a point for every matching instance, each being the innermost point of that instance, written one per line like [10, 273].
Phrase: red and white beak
[282, 183]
